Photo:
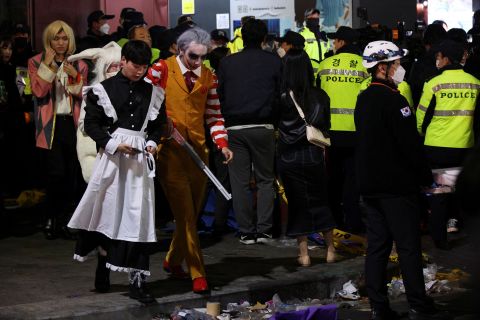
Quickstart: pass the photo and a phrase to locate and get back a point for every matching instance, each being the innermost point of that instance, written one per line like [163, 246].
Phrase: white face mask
[110, 74]
[437, 63]
[281, 52]
[399, 75]
[105, 28]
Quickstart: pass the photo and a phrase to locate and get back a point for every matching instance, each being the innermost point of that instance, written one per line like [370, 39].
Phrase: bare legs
[303, 257]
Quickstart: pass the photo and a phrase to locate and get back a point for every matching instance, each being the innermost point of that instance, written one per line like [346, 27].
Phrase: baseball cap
[293, 38]
[344, 33]
[99, 15]
[124, 12]
[21, 28]
[186, 18]
[133, 18]
[219, 35]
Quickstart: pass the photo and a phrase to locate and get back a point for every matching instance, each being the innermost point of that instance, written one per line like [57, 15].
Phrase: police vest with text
[341, 77]
[452, 96]
[312, 48]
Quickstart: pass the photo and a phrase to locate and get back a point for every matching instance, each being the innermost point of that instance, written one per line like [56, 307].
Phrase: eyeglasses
[194, 56]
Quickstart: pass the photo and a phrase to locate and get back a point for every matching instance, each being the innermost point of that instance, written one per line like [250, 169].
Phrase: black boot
[50, 229]
[138, 289]
[102, 275]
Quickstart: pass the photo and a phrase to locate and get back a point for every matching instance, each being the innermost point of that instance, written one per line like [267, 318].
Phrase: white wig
[103, 57]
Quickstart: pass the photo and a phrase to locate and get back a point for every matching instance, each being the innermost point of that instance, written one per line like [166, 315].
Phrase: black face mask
[20, 43]
[313, 23]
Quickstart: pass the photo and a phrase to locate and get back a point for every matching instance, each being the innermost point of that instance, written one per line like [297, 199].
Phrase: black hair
[254, 32]
[6, 41]
[434, 34]
[297, 74]
[216, 55]
[137, 51]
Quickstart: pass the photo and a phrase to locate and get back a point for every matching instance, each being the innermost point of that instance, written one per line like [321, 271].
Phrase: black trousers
[222, 205]
[394, 219]
[443, 206]
[344, 198]
[63, 170]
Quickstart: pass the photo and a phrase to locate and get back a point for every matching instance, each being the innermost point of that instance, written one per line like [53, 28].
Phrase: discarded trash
[396, 288]
[349, 291]
[430, 272]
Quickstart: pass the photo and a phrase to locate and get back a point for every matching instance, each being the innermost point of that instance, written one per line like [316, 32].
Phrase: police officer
[341, 77]
[390, 169]
[316, 42]
[446, 116]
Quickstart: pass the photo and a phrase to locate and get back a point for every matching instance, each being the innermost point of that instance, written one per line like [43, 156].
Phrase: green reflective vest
[453, 95]
[341, 76]
[312, 49]
[236, 45]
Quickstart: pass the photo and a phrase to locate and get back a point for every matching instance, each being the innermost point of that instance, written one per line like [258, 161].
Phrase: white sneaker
[452, 225]
[264, 238]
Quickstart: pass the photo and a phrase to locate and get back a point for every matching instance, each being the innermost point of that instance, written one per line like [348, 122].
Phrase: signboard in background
[223, 21]
[283, 15]
[457, 14]
[333, 13]
[279, 15]
[188, 6]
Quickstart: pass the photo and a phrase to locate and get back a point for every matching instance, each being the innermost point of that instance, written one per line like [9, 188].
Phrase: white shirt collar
[197, 72]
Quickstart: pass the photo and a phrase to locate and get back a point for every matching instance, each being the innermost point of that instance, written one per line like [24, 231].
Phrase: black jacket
[249, 87]
[421, 71]
[389, 154]
[291, 127]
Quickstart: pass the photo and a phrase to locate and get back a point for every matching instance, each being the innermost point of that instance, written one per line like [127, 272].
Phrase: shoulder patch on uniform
[406, 112]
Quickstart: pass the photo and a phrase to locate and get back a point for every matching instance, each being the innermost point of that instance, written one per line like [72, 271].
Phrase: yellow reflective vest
[341, 76]
[453, 96]
[236, 45]
[312, 48]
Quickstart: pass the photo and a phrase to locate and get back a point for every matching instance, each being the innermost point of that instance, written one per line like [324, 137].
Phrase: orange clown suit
[183, 182]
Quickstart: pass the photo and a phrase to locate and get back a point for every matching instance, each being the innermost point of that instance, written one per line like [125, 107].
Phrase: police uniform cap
[344, 33]
[293, 38]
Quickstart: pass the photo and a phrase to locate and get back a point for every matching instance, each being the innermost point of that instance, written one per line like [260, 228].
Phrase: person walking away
[301, 164]
[249, 88]
[448, 118]
[341, 76]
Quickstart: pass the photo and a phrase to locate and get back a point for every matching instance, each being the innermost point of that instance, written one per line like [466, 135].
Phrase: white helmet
[381, 51]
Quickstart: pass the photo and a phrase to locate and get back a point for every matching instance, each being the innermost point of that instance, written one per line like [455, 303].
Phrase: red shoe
[175, 271]
[200, 285]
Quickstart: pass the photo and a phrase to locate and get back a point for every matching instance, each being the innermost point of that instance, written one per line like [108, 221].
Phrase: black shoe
[247, 238]
[430, 315]
[102, 275]
[140, 293]
[50, 229]
[387, 314]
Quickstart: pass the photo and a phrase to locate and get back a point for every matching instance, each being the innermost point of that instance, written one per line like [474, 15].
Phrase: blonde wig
[55, 28]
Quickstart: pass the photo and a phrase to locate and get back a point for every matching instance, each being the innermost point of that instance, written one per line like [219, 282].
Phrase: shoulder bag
[314, 135]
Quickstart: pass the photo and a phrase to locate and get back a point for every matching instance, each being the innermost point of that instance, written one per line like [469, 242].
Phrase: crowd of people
[103, 110]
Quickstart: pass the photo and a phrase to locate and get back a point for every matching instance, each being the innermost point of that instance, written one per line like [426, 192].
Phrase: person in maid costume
[126, 118]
